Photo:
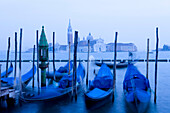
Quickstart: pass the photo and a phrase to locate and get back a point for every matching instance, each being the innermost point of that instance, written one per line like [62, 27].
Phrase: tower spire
[69, 25]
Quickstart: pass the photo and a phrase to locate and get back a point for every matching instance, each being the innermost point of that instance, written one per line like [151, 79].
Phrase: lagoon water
[119, 105]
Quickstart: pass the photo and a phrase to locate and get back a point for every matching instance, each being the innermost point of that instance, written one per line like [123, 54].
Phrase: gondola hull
[137, 90]
[49, 94]
[139, 107]
[55, 92]
[10, 70]
[98, 101]
[26, 78]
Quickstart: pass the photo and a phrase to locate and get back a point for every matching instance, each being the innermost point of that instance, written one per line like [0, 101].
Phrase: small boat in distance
[136, 89]
[151, 52]
[10, 70]
[100, 90]
[60, 72]
[122, 64]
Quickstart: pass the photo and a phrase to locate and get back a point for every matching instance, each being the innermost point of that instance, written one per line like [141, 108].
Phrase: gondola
[122, 64]
[26, 78]
[53, 91]
[10, 70]
[60, 72]
[100, 90]
[137, 90]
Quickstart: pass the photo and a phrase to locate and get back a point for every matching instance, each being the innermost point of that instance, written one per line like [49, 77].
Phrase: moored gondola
[136, 89]
[53, 91]
[100, 90]
[26, 78]
[10, 70]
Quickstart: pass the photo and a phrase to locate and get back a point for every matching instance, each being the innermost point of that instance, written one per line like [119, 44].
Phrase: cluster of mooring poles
[43, 57]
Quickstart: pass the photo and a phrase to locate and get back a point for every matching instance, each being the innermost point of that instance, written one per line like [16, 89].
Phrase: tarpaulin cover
[66, 80]
[136, 85]
[104, 78]
[61, 71]
[65, 69]
[96, 93]
[133, 75]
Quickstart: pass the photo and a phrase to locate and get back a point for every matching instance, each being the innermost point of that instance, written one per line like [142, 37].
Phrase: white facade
[127, 48]
[99, 46]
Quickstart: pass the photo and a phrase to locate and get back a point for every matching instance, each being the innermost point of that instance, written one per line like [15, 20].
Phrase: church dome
[90, 37]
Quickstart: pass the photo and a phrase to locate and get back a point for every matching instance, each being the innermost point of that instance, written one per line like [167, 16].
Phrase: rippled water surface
[119, 105]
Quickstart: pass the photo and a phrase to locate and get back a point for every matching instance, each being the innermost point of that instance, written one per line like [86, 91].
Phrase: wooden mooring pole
[147, 63]
[37, 61]
[0, 79]
[7, 57]
[115, 56]
[88, 63]
[157, 41]
[74, 78]
[33, 66]
[114, 68]
[15, 70]
[20, 45]
[54, 54]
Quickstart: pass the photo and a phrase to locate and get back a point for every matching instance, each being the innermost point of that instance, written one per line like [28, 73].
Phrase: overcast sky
[134, 20]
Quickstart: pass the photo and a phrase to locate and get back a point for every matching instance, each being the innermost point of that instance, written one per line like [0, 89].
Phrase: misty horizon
[135, 21]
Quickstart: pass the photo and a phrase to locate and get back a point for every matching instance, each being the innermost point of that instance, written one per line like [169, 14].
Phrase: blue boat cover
[104, 78]
[96, 93]
[65, 69]
[66, 80]
[10, 69]
[61, 71]
[136, 85]
[139, 80]
[25, 77]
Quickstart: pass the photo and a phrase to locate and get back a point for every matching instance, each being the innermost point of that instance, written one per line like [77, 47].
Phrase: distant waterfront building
[63, 48]
[50, 47]
[69, 33]
[121, 47]
[99, 46]
[166, 48]
[96, 45]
